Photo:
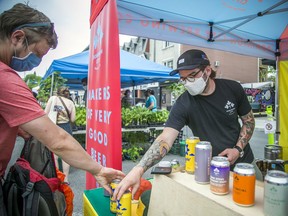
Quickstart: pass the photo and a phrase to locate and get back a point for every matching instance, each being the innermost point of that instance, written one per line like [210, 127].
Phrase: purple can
[203, 154]
[219, 175]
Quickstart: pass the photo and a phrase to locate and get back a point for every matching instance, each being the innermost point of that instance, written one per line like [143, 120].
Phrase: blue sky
[71, 20]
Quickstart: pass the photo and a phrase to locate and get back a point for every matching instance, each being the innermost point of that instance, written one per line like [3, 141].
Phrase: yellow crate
[88, 209]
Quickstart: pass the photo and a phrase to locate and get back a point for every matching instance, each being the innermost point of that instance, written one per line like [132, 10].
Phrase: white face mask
[197, 87]
[84, 87]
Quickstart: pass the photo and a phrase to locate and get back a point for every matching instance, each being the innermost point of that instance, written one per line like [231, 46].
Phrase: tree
[32, 80]
[45, 86]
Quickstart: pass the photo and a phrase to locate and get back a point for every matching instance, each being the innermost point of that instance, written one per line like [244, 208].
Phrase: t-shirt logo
[230, 107]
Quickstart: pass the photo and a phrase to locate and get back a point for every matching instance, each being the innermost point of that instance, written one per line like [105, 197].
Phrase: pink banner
[103, 132]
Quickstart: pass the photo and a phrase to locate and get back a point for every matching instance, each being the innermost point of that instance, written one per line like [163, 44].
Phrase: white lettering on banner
[98, 136]
[103, 116]
[99, 93]
[99, 157]
[89, 113]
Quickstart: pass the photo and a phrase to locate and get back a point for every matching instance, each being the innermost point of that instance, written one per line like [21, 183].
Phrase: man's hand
[106, 175]
[231, 153]
[133, 180]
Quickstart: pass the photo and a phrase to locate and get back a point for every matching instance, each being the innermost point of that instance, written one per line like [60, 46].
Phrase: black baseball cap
[191, 59]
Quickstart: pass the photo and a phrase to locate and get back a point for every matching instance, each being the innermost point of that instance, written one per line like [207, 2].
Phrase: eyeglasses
[37, 25]
[189, 78]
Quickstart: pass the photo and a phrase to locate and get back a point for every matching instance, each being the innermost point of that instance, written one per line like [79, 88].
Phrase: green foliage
[177, 89]
[80, 116]
[45, 86]
[142, 116]
[32, 80]
[133, 152]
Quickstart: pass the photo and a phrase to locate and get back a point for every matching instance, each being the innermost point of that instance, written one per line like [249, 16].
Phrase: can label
[244, 184]
[190, 154]
[124, 205]
[219, 175]
[276, 193]
[113, 206]
[113, 203]
[203, 154]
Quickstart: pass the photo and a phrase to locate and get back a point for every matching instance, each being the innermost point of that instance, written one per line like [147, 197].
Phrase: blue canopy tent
[134, 70]
[252, 28]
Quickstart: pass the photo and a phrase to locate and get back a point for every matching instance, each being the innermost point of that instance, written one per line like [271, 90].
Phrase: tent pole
[133, 90]
[276, 102]
[52, 83]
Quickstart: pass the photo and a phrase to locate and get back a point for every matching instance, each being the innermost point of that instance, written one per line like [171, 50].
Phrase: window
[168, 63]
[167, 44]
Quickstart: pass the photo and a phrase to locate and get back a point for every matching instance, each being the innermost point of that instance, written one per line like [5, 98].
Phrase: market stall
[134, 70]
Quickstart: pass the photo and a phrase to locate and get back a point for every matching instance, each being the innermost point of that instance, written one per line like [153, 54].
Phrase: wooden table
[179, 194]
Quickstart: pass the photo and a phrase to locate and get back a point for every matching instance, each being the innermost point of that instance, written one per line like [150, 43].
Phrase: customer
[151, 102]
[211, 108]
[84, 85]
[26, 35]
[127, 101]
[66, 115]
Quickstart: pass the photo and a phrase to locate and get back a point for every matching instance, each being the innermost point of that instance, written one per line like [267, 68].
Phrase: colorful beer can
[113, 203]
[190, 154]
[244, 179]
[124, 204]
[175, 164]
[276, 193]
[219, 175]
[203, 155]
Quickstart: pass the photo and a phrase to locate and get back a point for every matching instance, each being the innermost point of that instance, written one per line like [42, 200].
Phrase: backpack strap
[12, 201]
[2, 204]
[68, 114]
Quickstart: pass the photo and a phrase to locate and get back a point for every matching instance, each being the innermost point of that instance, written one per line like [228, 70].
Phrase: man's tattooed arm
[158, 149]
[246, 130]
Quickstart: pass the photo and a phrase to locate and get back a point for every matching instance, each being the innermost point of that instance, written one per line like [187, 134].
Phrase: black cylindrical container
[273, 152]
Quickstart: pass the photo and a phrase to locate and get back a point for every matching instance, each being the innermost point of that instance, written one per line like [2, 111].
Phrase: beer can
[244, 179]
[124, 204]
[190, 154]
[273, 152]
[175, 164]
[219, 175]
[203, 155]
[276, 193]
[113, 203]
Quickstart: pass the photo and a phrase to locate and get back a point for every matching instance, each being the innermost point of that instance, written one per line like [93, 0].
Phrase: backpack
[34, 191]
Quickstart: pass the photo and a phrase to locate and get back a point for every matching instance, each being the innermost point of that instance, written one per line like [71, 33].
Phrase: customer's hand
[231, 153]
[106, 175]
[133, 180]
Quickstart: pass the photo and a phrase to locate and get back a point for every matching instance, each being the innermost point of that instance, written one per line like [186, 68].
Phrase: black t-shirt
[214, 118]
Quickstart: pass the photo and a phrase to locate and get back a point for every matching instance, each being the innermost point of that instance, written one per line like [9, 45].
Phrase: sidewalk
[259, 123]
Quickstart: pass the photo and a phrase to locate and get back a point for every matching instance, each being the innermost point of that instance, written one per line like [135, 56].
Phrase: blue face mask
[26, 63]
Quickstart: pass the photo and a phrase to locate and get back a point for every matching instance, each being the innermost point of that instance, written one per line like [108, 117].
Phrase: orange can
[244, 179]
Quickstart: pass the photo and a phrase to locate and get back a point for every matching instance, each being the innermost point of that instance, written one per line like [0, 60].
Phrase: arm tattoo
[247, 129]
[154, 154]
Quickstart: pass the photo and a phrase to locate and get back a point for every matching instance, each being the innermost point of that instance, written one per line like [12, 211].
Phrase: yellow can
[113, 203]
[124, 204]
[190, 154]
